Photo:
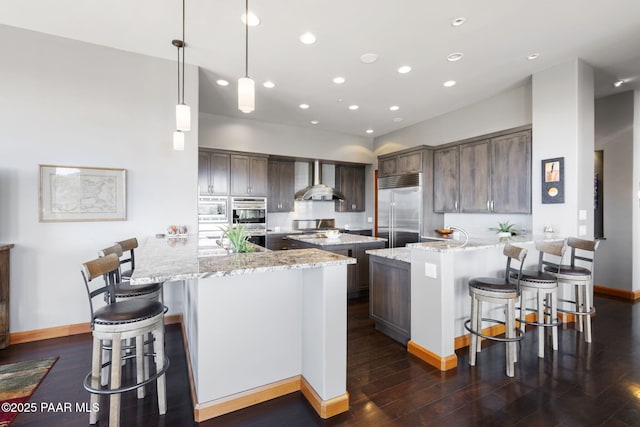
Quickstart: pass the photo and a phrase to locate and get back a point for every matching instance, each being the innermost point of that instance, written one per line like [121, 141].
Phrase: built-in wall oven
[252, 212]
[213, 216]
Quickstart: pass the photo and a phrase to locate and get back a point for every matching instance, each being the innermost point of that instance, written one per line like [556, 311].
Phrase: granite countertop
[398, 254]
[475, 243]
[320, 239]
[160, 260]
[5, 246]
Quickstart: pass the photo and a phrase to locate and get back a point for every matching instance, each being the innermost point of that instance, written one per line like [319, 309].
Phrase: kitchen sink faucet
[465, 234]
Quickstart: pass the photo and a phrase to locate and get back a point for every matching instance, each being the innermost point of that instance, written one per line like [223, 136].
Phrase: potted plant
[238, 237]
[505, 229]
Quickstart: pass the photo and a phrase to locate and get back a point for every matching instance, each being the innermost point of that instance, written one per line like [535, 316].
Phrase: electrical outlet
[582, 215]
[369, 219]
[582, 230]
[430, 270]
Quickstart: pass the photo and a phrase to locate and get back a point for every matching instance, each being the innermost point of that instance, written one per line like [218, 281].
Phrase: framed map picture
[75, 193]
[553, 180]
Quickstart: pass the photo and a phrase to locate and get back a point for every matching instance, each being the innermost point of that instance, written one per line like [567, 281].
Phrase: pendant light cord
[184, 44]
[246, 38]
[178, 74]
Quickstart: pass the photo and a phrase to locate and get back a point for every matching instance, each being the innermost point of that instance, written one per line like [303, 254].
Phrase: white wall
[65, 102]
[509, 109]
[614, 136]
[248, 135]
[563, 111]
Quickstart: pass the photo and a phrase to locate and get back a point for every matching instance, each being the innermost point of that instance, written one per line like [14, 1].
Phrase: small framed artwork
[553, 180]
[77, 193]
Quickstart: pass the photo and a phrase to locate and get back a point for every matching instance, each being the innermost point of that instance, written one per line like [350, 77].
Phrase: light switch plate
[430, 270]
[582, 215]
[369, 219]
[582, 230]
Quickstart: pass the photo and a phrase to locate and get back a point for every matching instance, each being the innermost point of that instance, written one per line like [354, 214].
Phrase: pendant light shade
[246, 85]
[246, 94]
[178, 140]
[183, 117]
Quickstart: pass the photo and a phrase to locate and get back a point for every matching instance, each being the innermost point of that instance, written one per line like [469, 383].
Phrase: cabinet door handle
[492, 206]
[488, 206]
[455, 206]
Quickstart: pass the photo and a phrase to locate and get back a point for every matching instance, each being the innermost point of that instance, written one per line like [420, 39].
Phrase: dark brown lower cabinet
[390, 297]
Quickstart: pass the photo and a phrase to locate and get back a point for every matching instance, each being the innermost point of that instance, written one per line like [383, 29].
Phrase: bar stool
[123, 289]
[580, 278]
[128, 246]
[117, 321]
[497, 291]
[545, 286]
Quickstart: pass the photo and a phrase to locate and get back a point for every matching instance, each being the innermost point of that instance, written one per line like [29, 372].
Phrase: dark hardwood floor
[580, 385]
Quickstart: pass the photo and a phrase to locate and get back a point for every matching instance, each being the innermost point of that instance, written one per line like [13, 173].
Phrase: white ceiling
[496, 39]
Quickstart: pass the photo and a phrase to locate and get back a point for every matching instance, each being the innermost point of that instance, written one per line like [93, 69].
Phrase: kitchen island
[440, 302]
[257, 325]
[349, 245]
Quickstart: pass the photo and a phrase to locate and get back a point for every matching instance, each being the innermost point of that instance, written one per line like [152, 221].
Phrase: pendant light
[246, 85]
[183, 111]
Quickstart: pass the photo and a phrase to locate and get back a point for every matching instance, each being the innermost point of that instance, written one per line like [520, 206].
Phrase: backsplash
[312, 209]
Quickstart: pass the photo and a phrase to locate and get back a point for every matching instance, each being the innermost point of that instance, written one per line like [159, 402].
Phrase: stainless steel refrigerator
[400, 209]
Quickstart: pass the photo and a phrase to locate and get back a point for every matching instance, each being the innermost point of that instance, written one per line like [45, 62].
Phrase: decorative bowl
[444, 231]
[332, 234]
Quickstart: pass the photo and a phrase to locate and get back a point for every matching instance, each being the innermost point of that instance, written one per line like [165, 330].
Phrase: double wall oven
[252, 212]
[217, 212]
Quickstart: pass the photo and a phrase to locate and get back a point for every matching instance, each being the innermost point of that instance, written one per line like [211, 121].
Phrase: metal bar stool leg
[510, 333]
[140, 362]
[473, 338]
[553, 303]
[587, 310]
[540, 300]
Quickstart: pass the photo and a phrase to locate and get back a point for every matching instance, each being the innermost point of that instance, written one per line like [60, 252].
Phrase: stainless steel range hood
[318, 191]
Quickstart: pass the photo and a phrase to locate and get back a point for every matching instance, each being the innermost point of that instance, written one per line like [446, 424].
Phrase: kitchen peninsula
[257, 325]
[431, 278]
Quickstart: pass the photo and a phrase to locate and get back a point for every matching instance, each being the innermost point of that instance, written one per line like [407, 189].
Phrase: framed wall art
[77, 193]
[553, 180]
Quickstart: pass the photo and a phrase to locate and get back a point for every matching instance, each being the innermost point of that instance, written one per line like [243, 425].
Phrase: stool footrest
[519, 332]
[87, 381]
[556, 321]
[591, 311]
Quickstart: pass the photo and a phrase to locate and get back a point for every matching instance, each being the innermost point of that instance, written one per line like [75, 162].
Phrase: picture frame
[80, 193]
[553, 180]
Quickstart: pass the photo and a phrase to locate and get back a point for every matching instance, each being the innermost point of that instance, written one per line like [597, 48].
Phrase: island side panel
[432, 303]
[249, 332]
[190, 323]
[324, 334]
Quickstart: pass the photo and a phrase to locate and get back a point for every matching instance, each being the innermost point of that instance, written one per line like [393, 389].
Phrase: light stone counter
[161, 260]
[320, 239]
[398, 254]
[451, 245]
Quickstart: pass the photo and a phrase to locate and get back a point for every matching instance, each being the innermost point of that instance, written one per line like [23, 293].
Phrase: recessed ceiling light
[369, 131]
[339, 80]
[353, 107]
[404, 69]
[269, 84]
[222, 82]
[533, 56]
[304, 106]
[458, 21]
[449, 83]
[394, 108]
[456, 56]
[314, 122]
[619, 83]
[308, 38]
[254, 21]
[398, 119]
[369, 58]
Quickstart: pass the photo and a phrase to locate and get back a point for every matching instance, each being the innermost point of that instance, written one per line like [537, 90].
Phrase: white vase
[504, 234]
